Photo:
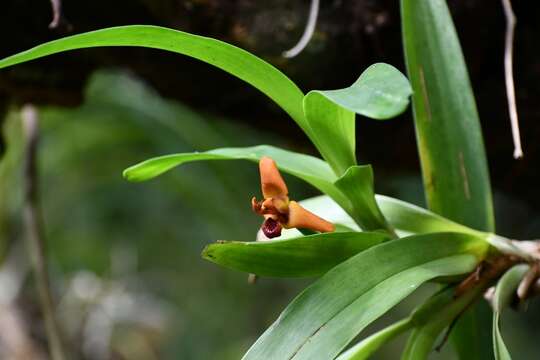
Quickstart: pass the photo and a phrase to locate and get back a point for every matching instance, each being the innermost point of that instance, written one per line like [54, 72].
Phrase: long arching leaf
[449, 136]
[229, 58]
[308, 168]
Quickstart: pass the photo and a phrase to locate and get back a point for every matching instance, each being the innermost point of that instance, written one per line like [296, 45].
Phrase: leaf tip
[130, 174]
[207, 252]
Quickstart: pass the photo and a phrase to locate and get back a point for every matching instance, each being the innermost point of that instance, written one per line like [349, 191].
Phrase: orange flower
[276, 208]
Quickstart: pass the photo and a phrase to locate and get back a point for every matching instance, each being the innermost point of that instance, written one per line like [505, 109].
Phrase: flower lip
[271, 228]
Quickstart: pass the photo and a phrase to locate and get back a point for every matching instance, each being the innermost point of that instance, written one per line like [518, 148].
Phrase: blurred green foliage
[149, 235]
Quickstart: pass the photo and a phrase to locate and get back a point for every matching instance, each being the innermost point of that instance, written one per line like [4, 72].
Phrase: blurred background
[126, 275]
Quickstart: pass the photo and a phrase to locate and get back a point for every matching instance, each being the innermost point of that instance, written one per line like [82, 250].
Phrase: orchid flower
[278, 211]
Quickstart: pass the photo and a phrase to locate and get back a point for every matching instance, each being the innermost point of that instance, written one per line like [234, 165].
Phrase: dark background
[350, 35]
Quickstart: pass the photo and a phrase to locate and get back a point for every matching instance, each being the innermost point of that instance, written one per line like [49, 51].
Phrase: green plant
[383, 249]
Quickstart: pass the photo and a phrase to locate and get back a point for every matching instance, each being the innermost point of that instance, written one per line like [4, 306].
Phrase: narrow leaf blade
[504, 293]
[365, 348]
[308, 168]
[357, 185]
[450, 141]
[414, 219]
[311, 255]
[334, 127]
[229, 58]
[433, 317]
[300, 165]
[449, 136]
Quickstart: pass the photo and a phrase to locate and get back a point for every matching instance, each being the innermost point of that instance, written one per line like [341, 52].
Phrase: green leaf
[308, 168]
[326, 316]
[357, 185]
[229, 58]
[433, 317]
[406, 218]
[335, 129]
[499, 348]
[470, 336]
[381, 92]
[507, 286]
[311, 255]
[365, 348]
[449, 135]
[504, 293]
[450, 144]
[416, 220]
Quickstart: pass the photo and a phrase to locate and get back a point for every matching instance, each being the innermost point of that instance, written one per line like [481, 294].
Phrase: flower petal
[272, 184]
[304, 219]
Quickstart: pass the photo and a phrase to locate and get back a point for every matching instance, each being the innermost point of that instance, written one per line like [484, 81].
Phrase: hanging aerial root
[509, 76]
[308, 31]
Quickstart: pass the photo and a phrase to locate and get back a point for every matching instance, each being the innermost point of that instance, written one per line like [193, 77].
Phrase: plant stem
[34, 231]
[526, 250]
